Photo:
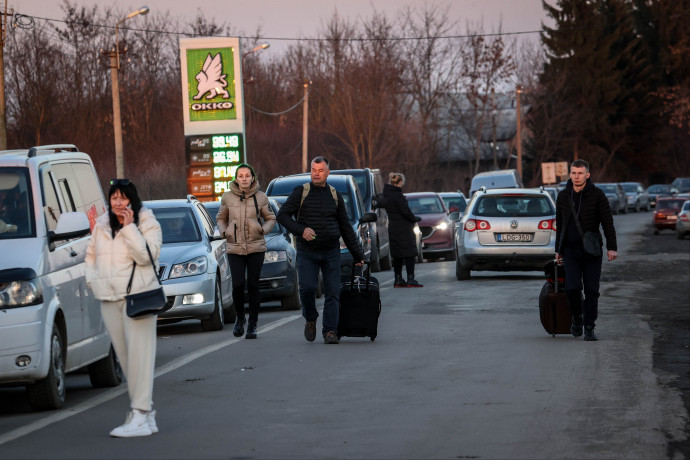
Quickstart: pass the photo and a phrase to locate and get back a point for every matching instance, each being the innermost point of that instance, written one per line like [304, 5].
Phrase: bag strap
[305, 191]
[577, 221]
[134, 265]
[256, 205]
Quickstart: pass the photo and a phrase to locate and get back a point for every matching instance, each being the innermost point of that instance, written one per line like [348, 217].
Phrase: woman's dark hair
[130, 191]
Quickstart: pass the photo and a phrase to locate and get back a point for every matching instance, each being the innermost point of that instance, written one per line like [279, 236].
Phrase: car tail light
[684, 217]
[476, 224]
[549, 224]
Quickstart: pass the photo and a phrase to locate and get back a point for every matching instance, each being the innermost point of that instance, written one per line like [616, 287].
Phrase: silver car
[504, 230]
[683, 222]
[194, 270]
[638, 197]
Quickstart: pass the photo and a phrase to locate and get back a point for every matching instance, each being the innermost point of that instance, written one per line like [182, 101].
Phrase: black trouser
[409, 266]
[580, 270]
[251, 265]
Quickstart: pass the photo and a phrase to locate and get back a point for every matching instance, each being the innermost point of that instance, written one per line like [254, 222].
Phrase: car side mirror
[70, 225]
[368, 217]
[455, 215]
[216, 235]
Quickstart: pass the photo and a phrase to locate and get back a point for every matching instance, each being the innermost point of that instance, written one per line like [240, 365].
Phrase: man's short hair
[320, 159]
[580, 164]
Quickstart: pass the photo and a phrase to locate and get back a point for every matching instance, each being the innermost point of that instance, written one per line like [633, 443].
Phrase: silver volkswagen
[505, 230]
[193, 269]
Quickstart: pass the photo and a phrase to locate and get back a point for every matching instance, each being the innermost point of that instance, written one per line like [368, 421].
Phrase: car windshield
[686, 206]
[178, 225]
[514, 206]
[454, 203]
[425, 204]
[608, 188]
[669, 205]
[659, 189]
[682, 184]
[16, 216]
[630, 188]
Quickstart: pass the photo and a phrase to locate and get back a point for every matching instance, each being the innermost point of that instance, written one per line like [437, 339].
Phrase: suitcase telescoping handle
[555, 276]
[366, 272]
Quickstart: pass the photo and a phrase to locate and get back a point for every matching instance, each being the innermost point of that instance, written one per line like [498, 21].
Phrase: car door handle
[73, 253]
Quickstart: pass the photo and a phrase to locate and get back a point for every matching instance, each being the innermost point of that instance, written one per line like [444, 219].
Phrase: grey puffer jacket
[238, 220]
[109, 260]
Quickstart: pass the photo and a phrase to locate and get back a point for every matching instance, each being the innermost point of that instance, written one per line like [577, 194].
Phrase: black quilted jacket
[594, 212]
[320, 213]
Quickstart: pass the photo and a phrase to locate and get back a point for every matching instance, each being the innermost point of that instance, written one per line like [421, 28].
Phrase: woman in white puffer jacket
[119, 239]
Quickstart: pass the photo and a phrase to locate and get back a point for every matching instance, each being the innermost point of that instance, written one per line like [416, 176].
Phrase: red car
[436, 226]
[666, 213]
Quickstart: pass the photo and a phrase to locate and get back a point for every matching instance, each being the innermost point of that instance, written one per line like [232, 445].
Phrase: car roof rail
[56, 148]
[191, 197]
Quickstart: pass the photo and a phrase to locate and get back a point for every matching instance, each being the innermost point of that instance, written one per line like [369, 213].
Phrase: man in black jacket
[588, 204]
[319, 221]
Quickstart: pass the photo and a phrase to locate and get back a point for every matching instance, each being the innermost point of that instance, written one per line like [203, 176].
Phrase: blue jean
[582, 270]
[308, 265]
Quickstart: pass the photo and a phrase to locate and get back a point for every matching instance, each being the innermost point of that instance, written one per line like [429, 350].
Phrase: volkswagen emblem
[513, 224]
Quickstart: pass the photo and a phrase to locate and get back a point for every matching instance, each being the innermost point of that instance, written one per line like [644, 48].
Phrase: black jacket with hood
[401, 222]
[594, 211]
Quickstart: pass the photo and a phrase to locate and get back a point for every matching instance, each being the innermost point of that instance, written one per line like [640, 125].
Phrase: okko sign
[213, 113]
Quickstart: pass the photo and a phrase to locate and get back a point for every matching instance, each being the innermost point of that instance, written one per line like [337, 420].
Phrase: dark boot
[239, 326]
[251, 330]
[590, 336]
[576, 326]
[399, 281]
[411, 282]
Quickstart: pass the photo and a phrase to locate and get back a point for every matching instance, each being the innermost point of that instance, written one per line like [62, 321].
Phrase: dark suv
[370, 184]
[359, 219]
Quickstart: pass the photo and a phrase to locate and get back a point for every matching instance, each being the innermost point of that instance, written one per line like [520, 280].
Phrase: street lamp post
[114, 68]
[518, 91]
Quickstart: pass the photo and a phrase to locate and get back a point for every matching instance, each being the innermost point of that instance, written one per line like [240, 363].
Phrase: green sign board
[211, 84]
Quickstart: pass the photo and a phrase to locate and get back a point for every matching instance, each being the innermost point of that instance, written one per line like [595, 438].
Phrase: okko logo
[211, 81]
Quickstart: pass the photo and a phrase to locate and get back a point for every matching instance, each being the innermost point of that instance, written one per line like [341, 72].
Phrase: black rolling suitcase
[554, 310]
[360, 306]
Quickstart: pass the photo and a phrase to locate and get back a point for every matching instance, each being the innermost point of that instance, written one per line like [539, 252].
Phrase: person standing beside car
[320, 219]
[239, 218]
[123, 242]
[401, 223]
[582, 201]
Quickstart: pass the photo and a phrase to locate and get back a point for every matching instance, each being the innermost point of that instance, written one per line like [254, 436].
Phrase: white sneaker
[136, 424]
[151, 420]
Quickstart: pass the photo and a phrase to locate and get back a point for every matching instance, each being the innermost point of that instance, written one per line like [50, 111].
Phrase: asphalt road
[459, 370]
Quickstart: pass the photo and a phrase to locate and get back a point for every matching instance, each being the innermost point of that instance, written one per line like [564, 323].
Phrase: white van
[50, 323]
[505, 178]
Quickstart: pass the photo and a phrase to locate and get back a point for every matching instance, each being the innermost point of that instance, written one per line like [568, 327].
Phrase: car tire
[656, 232]
[679, 235]
[386, 262]
[106, 372]
[216, 321]
[374, 257]
[49, 393]
[461, 273]
[625, 209]
[637, 206]
[450, 256]
[292, 301]
[648, 207]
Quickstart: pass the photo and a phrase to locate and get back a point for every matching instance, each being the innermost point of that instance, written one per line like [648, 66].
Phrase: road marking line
[115, 392]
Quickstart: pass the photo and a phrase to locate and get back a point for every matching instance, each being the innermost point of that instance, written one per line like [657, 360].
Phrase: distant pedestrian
[318, 220]
[244, 218]
[118, 254]
[401, 224]
[582, 201]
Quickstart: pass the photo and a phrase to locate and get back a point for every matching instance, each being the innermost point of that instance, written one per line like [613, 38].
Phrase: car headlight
[20, 293]
[274, 256]
[441, 226]
[192, 267]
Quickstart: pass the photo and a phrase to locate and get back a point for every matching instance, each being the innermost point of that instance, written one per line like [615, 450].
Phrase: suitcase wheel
[373, 338]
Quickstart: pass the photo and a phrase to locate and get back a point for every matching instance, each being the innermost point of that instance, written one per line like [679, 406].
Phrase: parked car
[454, 201]
[682, 184]
[553, 191]
[370, 184]
[505, 178]
[618, 200]
[657, 191]
[506, 229]
[638, 197]
[436, 226]
[666, 213]
[50, 198]
[194, 271]
[352, 198]
[683, 221]
[279, 272]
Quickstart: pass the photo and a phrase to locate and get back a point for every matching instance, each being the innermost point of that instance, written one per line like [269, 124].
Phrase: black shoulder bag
[147, 303]
[590, 240]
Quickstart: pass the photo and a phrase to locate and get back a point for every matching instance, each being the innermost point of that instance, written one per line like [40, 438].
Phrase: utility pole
[518, 91]
[305, 126]
[3, 113]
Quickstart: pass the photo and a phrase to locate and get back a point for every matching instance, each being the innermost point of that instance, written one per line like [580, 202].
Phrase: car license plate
[523, 237]
[672, 217]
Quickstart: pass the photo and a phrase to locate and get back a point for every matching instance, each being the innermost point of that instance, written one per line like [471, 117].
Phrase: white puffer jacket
[109, 261]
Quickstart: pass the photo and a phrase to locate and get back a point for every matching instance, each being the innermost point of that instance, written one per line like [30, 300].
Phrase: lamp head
[143, 11]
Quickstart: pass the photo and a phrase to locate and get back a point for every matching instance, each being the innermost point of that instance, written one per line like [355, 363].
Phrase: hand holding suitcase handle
[366, 272]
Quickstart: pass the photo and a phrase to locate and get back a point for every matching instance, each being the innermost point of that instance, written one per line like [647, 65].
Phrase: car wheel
[679, 235]
[386, 262]
[625, 209]
[216, 321]
[450, 256]
[291, 302]
[461, 273]
[656, 231]
[49, 393]
[637, 206]
[648, 207]
[374, 257]
[106, 372]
